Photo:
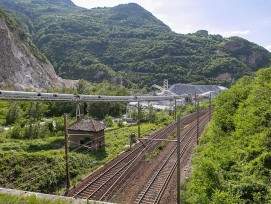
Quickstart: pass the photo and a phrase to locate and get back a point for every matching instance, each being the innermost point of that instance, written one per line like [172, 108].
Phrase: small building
[87, 131]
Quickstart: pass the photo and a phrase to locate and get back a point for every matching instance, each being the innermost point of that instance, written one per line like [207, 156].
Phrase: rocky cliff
[22, 66]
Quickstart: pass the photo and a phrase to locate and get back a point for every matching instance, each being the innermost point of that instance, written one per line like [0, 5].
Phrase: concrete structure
[181, 89]
[87, 131]
[55, 198]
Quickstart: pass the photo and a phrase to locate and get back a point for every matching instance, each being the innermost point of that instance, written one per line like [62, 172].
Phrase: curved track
[98, 186]
[156, 186]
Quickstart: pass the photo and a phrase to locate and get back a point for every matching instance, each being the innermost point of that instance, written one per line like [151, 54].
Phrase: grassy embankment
[38, 164]
[233, 161]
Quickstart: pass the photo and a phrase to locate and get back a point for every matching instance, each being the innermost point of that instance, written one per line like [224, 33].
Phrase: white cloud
[268, 47]
[100, 3]
[231, 33]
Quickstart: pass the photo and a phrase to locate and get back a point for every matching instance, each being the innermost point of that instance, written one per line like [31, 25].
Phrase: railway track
[98, 186]
[153, 192]
[93, 189]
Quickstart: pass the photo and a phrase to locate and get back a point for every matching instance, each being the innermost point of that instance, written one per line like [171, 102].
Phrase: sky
[250, 19]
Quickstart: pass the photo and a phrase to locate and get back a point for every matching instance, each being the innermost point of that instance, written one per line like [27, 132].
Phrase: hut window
[100, 144]
[86, 140]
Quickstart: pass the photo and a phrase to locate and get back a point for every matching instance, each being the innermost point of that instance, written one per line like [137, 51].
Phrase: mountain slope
[21, 64]
[129, 42]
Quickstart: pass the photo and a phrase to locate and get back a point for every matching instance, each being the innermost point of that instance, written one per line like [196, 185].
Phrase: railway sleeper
[156, 188]
[149, 198]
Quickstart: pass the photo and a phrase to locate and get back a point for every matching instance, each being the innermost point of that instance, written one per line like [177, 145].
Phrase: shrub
[108, 121]
[16, 132]
[120, 123]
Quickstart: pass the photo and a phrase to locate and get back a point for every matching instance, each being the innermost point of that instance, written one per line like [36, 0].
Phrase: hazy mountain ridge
[22, 65]
[129, 42]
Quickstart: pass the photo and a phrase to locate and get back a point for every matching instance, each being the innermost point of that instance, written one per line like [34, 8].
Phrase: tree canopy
[127, 43]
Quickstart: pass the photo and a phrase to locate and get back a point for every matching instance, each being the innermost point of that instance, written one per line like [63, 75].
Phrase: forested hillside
[127, 43]
[233, 161]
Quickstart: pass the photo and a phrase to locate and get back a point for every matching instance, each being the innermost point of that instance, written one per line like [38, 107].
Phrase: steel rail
[125, 172]
[108, 195]
[129, 164]
[161, 132]
[171, 170]
[117, 163]
[160, 193]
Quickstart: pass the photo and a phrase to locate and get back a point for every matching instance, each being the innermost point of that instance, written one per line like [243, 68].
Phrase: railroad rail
[100, 185]
[93, 188]
[157, 184]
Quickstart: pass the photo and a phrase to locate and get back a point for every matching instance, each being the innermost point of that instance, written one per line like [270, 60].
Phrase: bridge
[38, 96]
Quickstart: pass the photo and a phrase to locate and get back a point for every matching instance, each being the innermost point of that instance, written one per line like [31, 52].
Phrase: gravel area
[131, 189]
[134, 182]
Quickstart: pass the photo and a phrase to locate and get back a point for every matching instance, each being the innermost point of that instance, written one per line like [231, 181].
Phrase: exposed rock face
[232, 46]
[252, 59]
[247, 52]
[22, 66]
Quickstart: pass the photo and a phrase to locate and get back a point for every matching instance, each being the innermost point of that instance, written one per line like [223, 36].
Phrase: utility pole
[78, 112]
[178, 160]
[138, 119]
[210, 106]
[175, 111]
[197, 122]
[178, 155]
[66, 152]
[195, 99]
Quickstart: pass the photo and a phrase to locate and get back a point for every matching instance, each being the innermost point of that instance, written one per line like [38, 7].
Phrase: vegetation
[156, 152]
[232, 163]
[32, 143]
[13, 199]
[127, 44]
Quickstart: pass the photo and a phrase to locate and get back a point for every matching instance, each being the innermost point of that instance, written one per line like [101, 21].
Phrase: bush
[233, 162]
[13, 114]
[16, 132]
[33, 131]
[120, 123]
[108, 121]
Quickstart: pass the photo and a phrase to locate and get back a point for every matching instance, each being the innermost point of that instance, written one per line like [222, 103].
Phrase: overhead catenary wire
[28, 182]
[32, 179]
[36, 96]
[41, 168]
[46, 165]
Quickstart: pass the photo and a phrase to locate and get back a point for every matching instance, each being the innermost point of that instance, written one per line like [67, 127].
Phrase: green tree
[152, 115]
[36, 110]
[108, 120]
[120, 123]
[14, 114]
[82, 87]
[16, 132]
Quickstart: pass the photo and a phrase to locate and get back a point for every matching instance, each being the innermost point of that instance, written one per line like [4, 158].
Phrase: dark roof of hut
[90, 125]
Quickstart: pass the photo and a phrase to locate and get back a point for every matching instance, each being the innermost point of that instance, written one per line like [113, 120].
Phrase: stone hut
[87, 131]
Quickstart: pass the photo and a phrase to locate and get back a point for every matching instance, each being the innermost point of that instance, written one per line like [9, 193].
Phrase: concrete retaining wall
[48, 196]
